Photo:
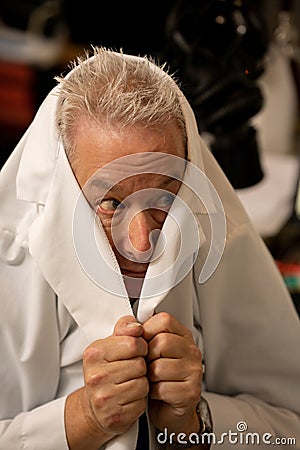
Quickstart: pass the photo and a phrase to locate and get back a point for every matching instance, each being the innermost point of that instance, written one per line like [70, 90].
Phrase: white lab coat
[50, 309]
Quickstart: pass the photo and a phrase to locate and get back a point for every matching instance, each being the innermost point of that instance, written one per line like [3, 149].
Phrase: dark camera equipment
[216, 49]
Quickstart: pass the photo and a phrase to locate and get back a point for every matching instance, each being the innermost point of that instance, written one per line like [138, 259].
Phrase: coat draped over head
[225, 288]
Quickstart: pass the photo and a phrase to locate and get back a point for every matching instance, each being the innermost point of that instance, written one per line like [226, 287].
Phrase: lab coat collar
[40, 148]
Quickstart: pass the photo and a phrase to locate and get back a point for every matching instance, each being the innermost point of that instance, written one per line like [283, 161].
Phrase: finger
[166, 345]
[167, 370]
[115, 418]
[133, 390]
[134, 368]
[128, 326]
[121, 394]
[114, 348]
[163, 323]
[175, 393]
[116, 372]
[167, 391]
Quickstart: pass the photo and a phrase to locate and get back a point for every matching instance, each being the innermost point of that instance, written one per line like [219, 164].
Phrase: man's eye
[108, 206]
[164, 202]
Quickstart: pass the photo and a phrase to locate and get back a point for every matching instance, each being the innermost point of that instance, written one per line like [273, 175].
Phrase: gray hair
[114, 89]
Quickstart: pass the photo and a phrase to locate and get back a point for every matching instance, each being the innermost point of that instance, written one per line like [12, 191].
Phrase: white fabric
[50, 309]
[271, 202]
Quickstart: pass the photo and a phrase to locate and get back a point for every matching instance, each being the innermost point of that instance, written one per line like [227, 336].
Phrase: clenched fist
[157, 361]
[115, 391]
[174, 373]
[115, 378]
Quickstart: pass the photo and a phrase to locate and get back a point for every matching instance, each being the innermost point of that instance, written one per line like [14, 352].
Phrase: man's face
[131, 195]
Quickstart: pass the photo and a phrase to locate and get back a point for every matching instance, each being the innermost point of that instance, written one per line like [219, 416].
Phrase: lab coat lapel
[51, 244]
[162, 289]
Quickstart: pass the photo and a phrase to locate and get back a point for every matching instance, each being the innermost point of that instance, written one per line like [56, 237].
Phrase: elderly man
[139, 307]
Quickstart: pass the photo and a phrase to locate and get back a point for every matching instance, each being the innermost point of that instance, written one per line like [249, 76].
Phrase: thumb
[128, 326]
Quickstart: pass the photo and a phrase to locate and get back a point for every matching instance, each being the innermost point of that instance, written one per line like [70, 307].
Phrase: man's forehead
[145, 166]
[146, 162]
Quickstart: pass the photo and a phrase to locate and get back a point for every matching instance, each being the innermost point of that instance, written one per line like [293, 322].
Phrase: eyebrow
[105, 185]
[99, 182]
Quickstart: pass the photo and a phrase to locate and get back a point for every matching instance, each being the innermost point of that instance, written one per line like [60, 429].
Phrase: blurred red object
[17, 103]
[291, 274]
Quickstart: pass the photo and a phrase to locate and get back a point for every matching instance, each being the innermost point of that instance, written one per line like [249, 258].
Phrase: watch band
[204, 416]
[203, 413]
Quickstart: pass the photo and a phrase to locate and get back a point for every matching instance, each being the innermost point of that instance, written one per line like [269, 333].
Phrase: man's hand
[116, 386]
[115, 390]
[117, 380]
[174, 373]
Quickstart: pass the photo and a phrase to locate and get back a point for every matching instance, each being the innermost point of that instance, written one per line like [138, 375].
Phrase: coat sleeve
[245, 419]
[31, 414]
[251, 342]
[39, 429]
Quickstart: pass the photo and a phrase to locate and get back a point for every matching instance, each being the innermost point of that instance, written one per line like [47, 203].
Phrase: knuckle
[143, 347]
[112, 420]
[165, 319]
[162, 390]
[156, 369]
[89, 354]
[141, 366]
[196, 369]
[162, 341]
[136, 346]
[95, 378]
[100, 399]
[143, 386]
[132, 345]
[193, 391]
[195, 353]
[146, 386]
[92, 354]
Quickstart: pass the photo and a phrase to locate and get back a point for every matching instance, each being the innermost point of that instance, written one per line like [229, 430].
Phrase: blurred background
[238, 63]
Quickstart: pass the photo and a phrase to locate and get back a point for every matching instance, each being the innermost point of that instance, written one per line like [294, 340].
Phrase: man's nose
[139, 232]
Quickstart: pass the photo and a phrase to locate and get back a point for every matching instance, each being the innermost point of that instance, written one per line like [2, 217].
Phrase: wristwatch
[204, 416]
[203, 413]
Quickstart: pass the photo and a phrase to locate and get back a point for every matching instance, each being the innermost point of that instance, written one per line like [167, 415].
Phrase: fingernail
[133, 325]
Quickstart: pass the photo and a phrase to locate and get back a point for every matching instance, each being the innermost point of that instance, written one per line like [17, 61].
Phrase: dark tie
[143, 437]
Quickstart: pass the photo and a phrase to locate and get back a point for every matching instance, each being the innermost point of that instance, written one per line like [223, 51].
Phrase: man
[120, 277]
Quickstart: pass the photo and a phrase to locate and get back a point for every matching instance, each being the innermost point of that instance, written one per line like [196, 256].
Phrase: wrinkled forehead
[145, 165]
